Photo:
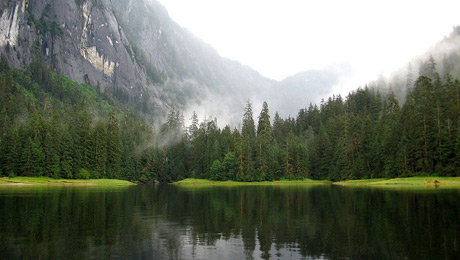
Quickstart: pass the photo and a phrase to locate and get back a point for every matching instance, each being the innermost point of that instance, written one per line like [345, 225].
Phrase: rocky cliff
[129, 45]
[134, 48]
[79, 39]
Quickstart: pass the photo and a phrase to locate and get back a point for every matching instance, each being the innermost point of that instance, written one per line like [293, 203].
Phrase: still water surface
[169, 222]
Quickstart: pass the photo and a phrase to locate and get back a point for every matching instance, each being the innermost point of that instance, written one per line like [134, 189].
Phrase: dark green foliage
[216, 171]
[83, 174]
[229, 166]
[113, 147]
[51, 126]
[46, 23]
[152, 73]
[248, 129]
[364, 136]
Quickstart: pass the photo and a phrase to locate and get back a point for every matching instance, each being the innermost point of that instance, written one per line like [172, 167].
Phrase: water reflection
[168, 222]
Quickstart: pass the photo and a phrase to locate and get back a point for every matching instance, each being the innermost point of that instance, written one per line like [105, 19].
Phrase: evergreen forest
[52, 126]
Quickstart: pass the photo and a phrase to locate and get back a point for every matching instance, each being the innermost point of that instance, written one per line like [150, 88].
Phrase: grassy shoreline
[420, 182]
[41, 181]
[416, 182]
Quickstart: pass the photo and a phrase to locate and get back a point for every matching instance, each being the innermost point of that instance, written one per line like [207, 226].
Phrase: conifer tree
[425, 127]
[193, 128]
[67, 157]
[389, 136]
[113, 147]
[99, 137]
[248, 127]
[264, 145]
[248, 133]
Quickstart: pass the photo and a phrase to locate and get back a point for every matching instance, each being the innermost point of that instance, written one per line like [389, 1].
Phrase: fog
[285, 97]
[282, 38]
[312, 50]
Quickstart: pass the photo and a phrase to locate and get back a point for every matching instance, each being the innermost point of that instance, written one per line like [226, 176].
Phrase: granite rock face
[134, 47]
[131, 45]
[79, 39]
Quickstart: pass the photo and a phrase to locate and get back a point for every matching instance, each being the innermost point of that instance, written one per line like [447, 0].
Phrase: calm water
[167, 222]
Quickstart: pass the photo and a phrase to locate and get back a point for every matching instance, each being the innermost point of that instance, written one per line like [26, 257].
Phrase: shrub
[83, 174]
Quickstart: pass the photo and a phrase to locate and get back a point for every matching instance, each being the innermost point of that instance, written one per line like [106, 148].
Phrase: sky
[279, 38]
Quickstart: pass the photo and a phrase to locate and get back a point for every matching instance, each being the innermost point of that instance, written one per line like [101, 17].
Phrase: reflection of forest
[332, 221]
[168, 222]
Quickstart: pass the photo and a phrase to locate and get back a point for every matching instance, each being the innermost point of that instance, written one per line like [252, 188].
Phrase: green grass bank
[416, 182]
[37, 181]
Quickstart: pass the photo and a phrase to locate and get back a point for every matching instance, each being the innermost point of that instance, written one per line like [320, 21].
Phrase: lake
[246, 222]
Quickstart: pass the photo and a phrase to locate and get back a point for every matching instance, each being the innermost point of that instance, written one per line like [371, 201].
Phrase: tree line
[365, 135]
[52, 126]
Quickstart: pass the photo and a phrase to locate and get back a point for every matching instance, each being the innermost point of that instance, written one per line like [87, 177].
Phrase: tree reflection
[170, 222]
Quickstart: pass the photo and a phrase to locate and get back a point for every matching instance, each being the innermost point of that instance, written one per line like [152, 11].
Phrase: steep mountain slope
[175, 52]
[133, 49]
[194, 76]
[299, 90]
[80, 39]
[129, 46]
[445, 54]
[52, 126]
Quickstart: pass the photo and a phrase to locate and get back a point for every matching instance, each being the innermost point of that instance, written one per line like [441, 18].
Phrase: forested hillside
[51, 126]
[365, 135]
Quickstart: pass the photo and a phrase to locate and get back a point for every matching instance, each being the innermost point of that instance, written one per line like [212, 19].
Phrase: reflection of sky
[174, 241]
[232, 248]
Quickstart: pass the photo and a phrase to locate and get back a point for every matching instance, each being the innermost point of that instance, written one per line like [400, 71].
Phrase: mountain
[444, 55]
[137, 65]
[80, 39]
[129, 46]
[301, 89]
[132, 48]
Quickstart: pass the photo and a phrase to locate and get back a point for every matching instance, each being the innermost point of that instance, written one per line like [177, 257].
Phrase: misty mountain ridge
[445, 54]
[143, 76]
[303, 88]
[133, 49]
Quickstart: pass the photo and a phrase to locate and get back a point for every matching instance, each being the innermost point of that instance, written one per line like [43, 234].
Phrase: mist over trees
[365, 135]
[445, 54]
[53, 127]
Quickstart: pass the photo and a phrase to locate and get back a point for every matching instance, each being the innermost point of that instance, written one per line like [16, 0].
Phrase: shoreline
[438, 182]
[46, 181]
[207, 182]
[415, 182]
